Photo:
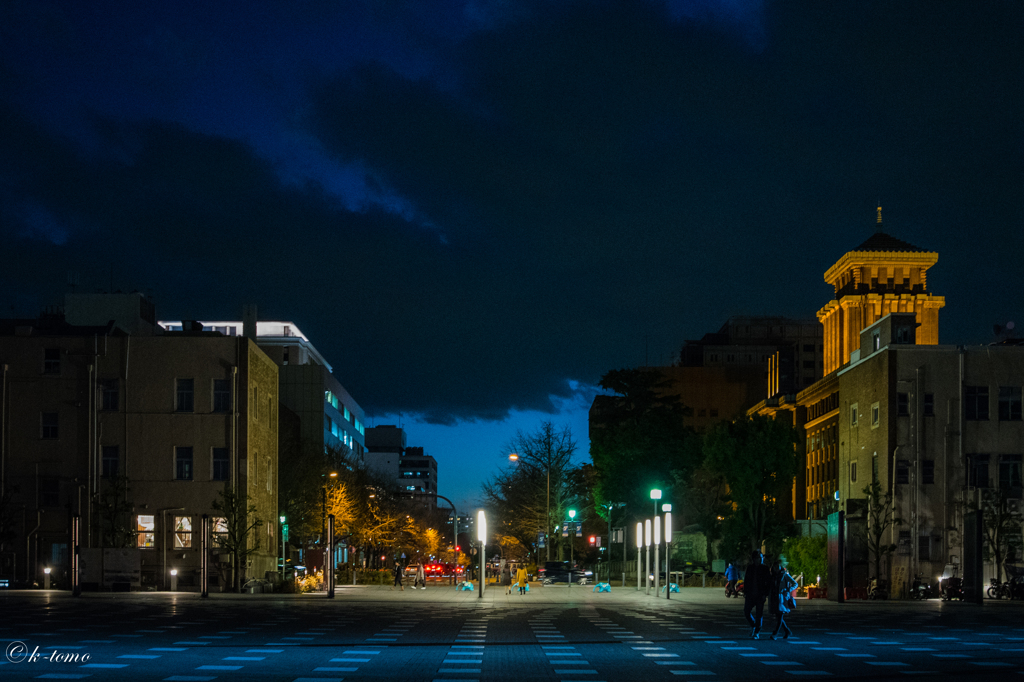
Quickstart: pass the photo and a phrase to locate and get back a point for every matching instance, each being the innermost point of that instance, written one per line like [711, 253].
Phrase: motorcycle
[952, 588]
[921, 588]
[734, 591]
[878, 589]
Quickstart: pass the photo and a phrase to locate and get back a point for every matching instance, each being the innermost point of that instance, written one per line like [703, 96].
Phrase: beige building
[180, 415]
[939, 427]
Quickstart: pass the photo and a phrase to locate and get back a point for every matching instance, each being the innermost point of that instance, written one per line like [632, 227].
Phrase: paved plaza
[553, 633]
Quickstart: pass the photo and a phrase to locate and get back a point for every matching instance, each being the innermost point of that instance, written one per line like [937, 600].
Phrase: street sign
[540, 540]
[618, 535]
[565, 530]
[579, 529]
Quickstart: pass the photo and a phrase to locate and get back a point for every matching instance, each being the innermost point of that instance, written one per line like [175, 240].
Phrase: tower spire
[878, 222]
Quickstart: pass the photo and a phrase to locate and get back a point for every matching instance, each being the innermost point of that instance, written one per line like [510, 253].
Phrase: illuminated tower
[881, 276]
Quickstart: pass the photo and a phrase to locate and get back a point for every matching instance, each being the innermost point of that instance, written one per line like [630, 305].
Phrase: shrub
[807, 555]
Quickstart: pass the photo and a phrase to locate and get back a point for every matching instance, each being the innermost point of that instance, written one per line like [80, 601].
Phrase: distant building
[178, 416]
[411, 470]
[328, 415]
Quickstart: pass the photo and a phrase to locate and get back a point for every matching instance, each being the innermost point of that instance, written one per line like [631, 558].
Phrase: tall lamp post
[657, 558]
[647, 563]
[655, 496]
[667, 508]
[572, 541]
[481, 535]
[639, 546]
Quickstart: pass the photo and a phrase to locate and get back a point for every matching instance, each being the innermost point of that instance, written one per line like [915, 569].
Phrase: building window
[853, 472]
[875, 415]
[49, 491]
[976, 403]
[702, 413]
[255, 404]
[270, 483]
[185, 395]
[924, 548]
[808, 364]
[182, 532]
[927, 471]
[1010, 472]
[929, 404]
[51, 361]
[145, 528]
[902, 472]
[108, 394]
[903, 404]
[49, 426]
[876, 341]
[221, 395]
[220, 531]
[977, 471]
[1009, 404]
[111, 461]
[713, 412]
[183, 463]
[221, 464]
[853, 414]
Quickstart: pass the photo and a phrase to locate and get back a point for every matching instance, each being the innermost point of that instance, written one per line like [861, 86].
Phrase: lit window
[220, 531]
[145, 527]
[182, 532]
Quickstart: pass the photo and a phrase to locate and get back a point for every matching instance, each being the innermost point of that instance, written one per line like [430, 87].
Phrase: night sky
[475, 208]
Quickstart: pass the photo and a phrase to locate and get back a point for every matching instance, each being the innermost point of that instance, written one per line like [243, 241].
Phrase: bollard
[174, 580]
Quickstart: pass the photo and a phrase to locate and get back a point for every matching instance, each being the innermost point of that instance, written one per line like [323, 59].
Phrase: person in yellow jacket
[521, 578]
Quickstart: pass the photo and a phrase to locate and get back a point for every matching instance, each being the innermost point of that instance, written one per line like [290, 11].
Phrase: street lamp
[655, 495]
[647, 541]
[481, 535]
[572, 541]
[639, 546]
[668, 550]
[657, 558]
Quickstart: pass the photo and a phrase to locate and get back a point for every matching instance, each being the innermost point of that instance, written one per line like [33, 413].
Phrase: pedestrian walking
[521, 579]
[398, 576]
[731, 574]
[757, 586]
[421, 577]
[506, 578]
[782, 598]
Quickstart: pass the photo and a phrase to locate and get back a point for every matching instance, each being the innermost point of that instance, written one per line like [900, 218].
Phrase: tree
[807, 555]
[240, 522]
[116, 511]
[706, 504]
[881, 517]
[639, 440]
[533, 493]
[1000, 528]
[756, 457]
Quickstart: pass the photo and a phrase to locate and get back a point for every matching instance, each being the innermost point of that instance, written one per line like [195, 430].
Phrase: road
[554, 633]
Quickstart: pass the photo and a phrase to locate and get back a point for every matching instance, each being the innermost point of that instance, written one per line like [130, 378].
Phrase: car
[558, 572]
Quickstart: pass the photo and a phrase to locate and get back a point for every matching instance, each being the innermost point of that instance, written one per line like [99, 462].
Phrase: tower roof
[880, 241]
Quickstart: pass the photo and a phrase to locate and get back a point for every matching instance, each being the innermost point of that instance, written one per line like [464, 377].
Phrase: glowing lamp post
[657, 558]
[647, 563]
[572, 541]
[655, 496]
[174, 580]
[667, 508]
[46, 578]
[639, 546]
[481, 535]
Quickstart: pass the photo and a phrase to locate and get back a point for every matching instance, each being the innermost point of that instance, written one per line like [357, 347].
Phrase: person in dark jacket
[782, 598]
[399, 571]
[757, 585]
